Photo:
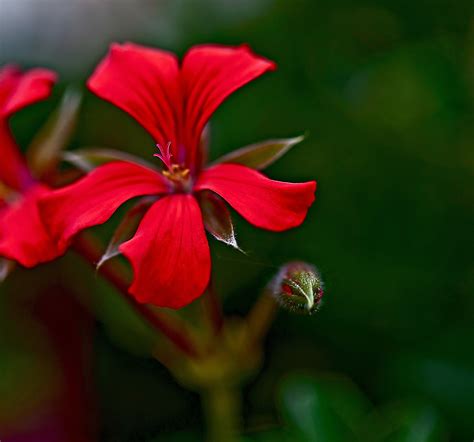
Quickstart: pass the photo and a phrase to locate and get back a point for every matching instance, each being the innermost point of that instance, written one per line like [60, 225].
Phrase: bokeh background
[384, 91]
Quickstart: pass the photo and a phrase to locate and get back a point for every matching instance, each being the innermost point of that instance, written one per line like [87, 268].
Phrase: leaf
[407, 421]
[260, 155]
[6, 267]
[325, 410]
[217, 219]
[43, 153]
[125, 229]
[331, 409]
[88, 159]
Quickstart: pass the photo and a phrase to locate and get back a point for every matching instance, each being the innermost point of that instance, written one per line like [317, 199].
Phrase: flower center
[178, 174]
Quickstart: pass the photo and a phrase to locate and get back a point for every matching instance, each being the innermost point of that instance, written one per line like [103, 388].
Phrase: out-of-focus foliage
[385, 90]
[332, 410]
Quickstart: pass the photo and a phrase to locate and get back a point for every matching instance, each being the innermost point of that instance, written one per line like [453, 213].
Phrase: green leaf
[126, 229]
[324, 410]
[217, 219]
[89, 158]
[406, 422]
[260, 155]
[44, 151]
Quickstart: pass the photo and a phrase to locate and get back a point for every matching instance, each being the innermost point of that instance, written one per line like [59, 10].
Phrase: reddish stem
[89, 248]
[213, 309]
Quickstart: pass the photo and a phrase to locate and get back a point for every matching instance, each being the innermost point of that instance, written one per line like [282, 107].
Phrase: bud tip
[298, 287]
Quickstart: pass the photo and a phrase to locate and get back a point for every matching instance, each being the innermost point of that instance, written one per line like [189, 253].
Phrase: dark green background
[385, 92]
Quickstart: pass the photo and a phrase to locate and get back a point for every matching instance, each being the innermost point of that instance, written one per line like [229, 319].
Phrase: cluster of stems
[216, 363]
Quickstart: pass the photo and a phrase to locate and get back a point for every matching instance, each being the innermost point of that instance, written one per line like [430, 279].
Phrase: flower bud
[298, 287]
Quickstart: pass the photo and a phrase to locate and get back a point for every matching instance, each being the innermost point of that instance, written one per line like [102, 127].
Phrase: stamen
[177, 173]
[165, 156]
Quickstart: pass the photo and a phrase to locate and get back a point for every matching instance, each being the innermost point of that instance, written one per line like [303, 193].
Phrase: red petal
[9, 76]
[13, 170]
[271, 205]
[93, 199]
[18, 90]
[143, 82]
[210, 74]
[23, 237]
[169, 253]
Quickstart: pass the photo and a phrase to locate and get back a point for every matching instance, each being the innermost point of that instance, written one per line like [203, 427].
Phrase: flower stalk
[222, 408]
[212, 310]
[260, 318]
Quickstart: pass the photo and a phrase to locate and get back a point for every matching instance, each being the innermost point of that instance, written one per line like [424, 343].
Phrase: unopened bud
[298, 287]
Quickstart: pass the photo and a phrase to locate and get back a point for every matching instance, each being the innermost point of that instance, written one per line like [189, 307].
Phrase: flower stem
[212, 309]
[222, 408]
[173, 328]
[260, 318]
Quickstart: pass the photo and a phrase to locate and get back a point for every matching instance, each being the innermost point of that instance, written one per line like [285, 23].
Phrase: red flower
[23, 237]
[173, 102]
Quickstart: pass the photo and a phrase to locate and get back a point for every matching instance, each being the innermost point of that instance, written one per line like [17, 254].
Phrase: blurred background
[385, 92]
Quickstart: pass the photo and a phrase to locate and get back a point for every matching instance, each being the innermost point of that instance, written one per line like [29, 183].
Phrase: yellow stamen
[176, 173]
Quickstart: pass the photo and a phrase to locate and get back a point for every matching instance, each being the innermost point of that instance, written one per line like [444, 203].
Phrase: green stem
[222, 406]
[260, 319]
